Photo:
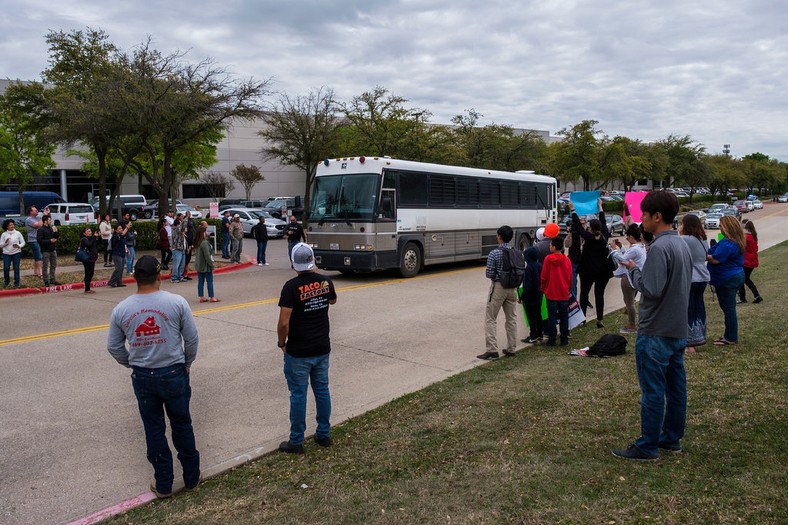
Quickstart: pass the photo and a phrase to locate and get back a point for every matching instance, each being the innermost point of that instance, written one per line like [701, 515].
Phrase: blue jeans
[225, 243]
[177, 264]
[726, 294]
[557, 312]
[290, 246]
[8, 260]
[663, 392]
[202, 278]
[261, 246]
[167, 388]
[130, 259]
[299, 371]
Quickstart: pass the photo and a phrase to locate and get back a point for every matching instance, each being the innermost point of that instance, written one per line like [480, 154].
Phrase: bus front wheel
[410, 260]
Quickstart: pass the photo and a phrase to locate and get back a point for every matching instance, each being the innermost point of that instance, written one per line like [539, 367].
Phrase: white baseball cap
[303, 258]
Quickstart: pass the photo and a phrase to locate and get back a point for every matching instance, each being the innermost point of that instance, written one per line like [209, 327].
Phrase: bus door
[386, 227]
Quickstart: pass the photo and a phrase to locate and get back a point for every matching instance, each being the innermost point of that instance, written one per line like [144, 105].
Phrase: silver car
[713, 220]
[249, 217]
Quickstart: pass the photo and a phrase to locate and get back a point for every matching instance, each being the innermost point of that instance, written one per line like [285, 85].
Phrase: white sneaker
[259, 264]
[267, 264]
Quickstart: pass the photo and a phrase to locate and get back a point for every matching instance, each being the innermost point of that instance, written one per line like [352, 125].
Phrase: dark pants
[599, 284]
[157, 390]
[166, 257]
[117, 273]
[535, 323]
[104, 245]
[749, 284]
[557, 313]
[90, 267]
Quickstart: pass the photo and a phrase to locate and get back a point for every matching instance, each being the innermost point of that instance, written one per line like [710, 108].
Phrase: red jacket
[750, 251]
[556, 277]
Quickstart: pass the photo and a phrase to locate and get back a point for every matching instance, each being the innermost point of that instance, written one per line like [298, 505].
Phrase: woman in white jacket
[636, 252]
[11, 241]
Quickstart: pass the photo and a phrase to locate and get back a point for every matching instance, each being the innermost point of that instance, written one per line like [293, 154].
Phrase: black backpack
[513, 268]
[608, 345]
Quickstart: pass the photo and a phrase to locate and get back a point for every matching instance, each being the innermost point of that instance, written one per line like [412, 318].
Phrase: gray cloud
[643, 69]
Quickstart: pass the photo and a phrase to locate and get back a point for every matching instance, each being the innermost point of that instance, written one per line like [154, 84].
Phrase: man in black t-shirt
[294, 234]
[303, 331]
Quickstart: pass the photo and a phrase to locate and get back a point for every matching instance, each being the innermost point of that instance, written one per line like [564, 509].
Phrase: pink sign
[214, 209]
[632, 200]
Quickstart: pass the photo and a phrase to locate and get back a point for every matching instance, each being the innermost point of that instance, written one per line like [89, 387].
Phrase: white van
[65, 213]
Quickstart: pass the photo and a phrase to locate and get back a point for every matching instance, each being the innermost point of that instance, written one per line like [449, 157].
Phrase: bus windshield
[345, 197]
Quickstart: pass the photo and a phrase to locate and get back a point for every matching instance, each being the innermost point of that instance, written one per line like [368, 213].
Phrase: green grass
[528, 440]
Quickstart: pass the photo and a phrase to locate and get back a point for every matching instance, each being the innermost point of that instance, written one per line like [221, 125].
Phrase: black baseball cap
[147, 266]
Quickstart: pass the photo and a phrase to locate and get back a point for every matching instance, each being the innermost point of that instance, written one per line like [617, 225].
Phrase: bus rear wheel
[410, 260]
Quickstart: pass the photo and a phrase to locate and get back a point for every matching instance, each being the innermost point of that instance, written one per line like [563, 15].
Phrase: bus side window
[387, 206]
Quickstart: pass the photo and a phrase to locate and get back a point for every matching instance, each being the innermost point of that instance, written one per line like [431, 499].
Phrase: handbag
[82, 255]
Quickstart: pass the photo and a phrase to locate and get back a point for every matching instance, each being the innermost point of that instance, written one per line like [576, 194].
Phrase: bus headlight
[365, 247]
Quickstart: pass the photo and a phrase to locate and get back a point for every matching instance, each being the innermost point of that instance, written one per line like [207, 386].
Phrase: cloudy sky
[644, 69]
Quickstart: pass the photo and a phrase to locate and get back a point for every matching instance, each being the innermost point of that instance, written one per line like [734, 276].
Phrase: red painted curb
[99, 284]
[19, 291]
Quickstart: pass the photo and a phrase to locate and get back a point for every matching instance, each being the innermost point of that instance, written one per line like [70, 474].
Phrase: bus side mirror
[385, 204]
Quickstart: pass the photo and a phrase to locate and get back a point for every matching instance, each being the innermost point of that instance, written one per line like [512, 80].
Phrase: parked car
[249, 217]
[183, 208]
[783, 198]
[230, 203]
[757, 204]
[716, 208]
[732, 210]
[713, 220]
[9, 201]
[700, 214]
[65, 213]
[742, 205]
[290, 206]
[615, 223]
[135, 205]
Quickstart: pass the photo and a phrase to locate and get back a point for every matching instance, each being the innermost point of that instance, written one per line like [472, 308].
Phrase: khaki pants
[629, 300]
[497, 298]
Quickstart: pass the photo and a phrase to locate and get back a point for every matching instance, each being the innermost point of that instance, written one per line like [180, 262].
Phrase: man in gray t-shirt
[32, 224]
[153, 332]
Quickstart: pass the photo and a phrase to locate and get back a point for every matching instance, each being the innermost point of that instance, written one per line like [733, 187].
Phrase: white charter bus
[374, 213]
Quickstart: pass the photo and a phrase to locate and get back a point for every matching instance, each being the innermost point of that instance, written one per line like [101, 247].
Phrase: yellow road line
[224, 308]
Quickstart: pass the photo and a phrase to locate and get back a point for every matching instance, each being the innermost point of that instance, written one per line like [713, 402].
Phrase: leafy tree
[724, 173]
[684, 165]
[217, 184]
[302, 131]
[577, 156]
[84, 77]
[248, 176]
[626, 160]
[497, 147]
[379, 123]
[24, 150]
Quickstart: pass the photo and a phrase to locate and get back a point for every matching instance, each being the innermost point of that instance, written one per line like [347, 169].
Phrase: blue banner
[586, 202]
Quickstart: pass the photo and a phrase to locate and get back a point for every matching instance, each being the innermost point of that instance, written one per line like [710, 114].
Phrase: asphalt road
[71, 441]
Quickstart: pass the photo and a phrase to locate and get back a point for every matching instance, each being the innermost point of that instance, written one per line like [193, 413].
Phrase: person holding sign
[595, 268]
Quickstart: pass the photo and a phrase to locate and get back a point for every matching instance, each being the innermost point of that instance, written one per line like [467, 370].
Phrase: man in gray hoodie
[664, 284]
[162, 345]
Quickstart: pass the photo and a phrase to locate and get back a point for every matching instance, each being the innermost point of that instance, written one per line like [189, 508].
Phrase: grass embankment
[528, 439]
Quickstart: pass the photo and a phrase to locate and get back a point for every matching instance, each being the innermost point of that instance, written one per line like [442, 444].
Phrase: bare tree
[217, 184]
[302, 132]
[248, 176]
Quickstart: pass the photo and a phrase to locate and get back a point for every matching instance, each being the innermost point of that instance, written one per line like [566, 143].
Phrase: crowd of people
[670, 271]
